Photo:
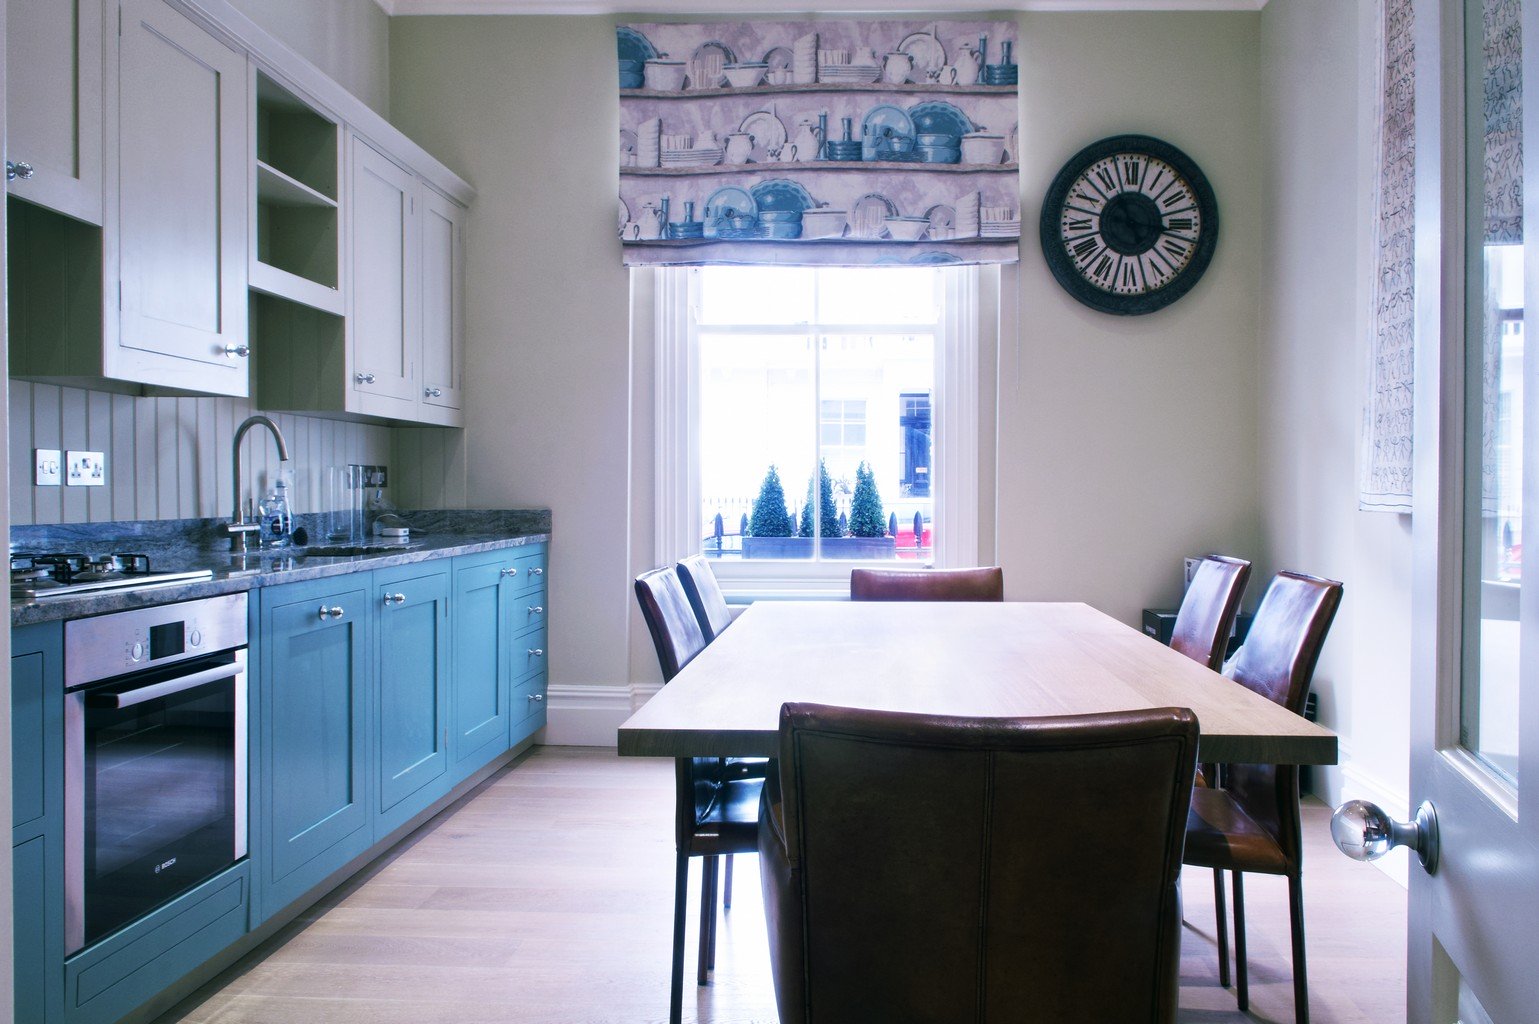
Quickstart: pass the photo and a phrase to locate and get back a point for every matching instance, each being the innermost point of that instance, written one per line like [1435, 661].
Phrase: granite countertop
[189, 544]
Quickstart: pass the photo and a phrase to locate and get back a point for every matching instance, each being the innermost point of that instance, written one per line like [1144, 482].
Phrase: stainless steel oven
[155, 758]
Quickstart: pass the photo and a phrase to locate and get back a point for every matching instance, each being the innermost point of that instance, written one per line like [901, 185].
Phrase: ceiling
[745, 7]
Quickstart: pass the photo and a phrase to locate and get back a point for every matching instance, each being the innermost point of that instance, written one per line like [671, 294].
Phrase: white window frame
[954, 416]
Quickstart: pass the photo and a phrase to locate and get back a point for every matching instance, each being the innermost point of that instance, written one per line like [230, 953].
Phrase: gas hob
[64, 574]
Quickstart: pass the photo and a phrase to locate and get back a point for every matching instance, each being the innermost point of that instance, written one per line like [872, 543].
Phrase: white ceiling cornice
[730, 8]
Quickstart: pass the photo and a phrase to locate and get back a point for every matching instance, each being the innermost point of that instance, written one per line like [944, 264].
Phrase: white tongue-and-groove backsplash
[169, 458]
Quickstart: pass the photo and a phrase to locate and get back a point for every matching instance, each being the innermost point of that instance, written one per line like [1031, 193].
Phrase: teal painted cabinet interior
[483, 592]
[37, 817]
[412, 709]
[314, 681]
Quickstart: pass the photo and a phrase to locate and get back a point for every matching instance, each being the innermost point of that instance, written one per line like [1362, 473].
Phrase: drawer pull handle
[537, 571]
[537, 697]
[363, 378]
[535, 652]
[18, 169]
[511, 570]
[537, 609]
[432, 393]
[395, 599]
[334, 612]
[235, 351]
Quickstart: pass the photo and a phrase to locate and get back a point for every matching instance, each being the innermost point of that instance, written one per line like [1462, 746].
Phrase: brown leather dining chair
[715, 808]
[924, 868]
[1251, 823]
[705, 596]
[983, 584]
[1206, 616]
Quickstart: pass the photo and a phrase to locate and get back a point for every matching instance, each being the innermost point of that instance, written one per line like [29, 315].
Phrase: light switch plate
[85, 469]
[46, 467]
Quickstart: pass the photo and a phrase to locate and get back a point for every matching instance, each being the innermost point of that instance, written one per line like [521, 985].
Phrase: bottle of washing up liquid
[277, 521]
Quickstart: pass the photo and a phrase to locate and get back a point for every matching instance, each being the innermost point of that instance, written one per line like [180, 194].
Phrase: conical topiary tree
[866, 518]
[828, 512]
[770, 518]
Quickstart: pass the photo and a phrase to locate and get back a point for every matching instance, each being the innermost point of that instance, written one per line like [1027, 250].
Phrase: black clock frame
[1062, 265]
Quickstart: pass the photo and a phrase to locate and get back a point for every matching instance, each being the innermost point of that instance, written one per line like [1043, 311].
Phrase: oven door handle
[155, 691]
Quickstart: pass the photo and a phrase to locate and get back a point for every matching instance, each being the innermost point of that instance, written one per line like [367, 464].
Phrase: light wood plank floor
[546, 896]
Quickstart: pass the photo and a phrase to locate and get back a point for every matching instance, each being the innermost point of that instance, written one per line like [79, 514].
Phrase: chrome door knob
[536, 609]
[395, 599]
[537, 571]
[1363, 831]
[537, 697]
[333, 612]
[535, 652]
[235, 351]
[432, 392]
[363, 378]
[511, 570]
[18, 169]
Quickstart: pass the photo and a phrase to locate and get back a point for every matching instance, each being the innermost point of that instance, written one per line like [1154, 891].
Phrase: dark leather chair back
[1207, 611]
[705, 596]
[986, 584]
[675, 630]
[924, 868]
[1277, 661]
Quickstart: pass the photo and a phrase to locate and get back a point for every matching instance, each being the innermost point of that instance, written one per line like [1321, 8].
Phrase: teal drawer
[530, 565]
[528, 654]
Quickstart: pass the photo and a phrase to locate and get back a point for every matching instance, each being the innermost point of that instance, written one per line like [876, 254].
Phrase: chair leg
[1300, 973]
[1221, 924]
[1242, 982]
[707, 914]
[726, 888]
[710, 950]
[680, 892]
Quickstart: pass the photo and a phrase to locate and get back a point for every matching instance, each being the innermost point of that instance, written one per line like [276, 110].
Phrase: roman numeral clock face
[1129, 225]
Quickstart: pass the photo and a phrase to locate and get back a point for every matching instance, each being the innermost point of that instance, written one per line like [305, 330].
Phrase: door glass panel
[1494, 387]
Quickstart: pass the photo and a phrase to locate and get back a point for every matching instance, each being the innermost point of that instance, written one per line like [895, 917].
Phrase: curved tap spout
[238, 526]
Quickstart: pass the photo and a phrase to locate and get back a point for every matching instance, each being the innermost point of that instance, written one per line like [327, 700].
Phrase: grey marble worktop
[190, 544]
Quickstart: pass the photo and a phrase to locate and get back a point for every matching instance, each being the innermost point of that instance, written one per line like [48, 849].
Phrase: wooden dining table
[980, 659]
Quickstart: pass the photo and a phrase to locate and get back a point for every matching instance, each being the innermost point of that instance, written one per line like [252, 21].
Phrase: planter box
[800, 548]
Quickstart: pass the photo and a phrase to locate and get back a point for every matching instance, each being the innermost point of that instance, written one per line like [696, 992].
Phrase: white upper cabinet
[182, 217]
[385, 320]
[443, 308]
[53, 55]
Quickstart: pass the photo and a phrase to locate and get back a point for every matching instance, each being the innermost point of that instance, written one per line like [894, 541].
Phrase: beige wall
[1126, 443]
[524, 108]
[347, 39]
[1123, 444]
[1317, 84]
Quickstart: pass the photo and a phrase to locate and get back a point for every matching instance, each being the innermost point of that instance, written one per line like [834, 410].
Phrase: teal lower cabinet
[411, 738]
[313, 689]
[37, 817]
[371, 697]
[106, 980]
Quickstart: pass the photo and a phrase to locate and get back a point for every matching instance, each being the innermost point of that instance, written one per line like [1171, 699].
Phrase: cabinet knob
[432, 392]
[535, 652]
[537, 697]
[511, 570]
[363, 378]
[395, 599]
[18, 169]
[235, 351]
[334, 612]
[537, 571]
[537, 609]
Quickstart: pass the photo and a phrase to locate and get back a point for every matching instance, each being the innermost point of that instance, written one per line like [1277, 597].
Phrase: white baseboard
[585, 715]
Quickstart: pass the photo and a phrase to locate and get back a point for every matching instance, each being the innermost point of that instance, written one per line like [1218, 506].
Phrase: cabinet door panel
[182, 190]
[443, 302]
[54, 110]
[29, 862]
[313, 720]
[385, 321]
[413, 686]
[481, 669]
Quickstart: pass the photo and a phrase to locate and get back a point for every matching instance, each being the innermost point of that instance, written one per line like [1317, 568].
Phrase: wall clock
[1129, 225]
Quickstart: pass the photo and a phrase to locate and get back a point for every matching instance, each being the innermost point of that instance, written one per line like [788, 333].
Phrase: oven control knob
[195, 638]
[136, 652]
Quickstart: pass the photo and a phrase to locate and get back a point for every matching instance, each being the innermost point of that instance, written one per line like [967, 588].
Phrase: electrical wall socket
[46, 462]
[85, 469]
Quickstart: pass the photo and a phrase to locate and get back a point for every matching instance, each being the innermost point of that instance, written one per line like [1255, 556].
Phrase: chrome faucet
[239, 528]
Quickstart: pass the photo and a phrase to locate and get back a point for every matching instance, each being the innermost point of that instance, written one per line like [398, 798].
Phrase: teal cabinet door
[29, 862]
[314, 680]
[412, 709]
[37, 810]
[482, 591]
